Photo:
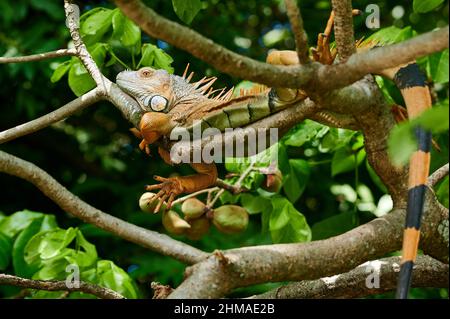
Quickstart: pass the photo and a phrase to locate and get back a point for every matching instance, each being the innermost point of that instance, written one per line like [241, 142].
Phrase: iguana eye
[146, 72]
[157, 103]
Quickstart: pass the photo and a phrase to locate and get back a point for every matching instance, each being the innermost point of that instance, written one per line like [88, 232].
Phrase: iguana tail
[412, 83]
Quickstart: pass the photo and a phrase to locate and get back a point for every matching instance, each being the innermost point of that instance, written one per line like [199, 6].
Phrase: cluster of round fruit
[228, 219]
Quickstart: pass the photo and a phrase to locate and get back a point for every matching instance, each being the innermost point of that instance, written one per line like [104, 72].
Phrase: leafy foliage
[108, 34]
[39, 249]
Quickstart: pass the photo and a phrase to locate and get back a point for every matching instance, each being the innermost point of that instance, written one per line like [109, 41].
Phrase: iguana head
[159, 91]
[151, 88]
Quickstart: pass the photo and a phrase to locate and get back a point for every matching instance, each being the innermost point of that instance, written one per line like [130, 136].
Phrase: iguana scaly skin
[172, 101]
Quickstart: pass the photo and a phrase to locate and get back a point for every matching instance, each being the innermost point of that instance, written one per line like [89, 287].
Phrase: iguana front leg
[171, 187]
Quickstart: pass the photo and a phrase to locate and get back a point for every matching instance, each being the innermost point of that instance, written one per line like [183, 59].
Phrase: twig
[343, 28]
[39, 56]
[63, 112]
[232, 188]
[428, 272]
[75, 206]
[101, 292]
[301, 39]
[236, 185]
[184, 198]
[438, 175]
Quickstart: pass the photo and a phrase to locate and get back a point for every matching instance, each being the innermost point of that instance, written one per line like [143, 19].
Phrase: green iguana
[171, 101]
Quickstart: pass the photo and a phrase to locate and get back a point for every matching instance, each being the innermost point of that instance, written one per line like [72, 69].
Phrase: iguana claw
[169, 189]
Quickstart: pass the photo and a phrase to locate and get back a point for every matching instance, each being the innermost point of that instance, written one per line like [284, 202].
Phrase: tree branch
[73, 205]
[381, 58]
[438, 175]
[101, 292]
[343, 28]
[39, 56]
[428, 272]
[312, 75]
[246, 266]
[73, 23]
[60, 114]
[301, 39]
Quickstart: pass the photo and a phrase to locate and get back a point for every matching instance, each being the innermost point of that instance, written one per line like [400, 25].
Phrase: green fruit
[146, 206]
[230, 219]
[193, 208]
[199, 227]
[273, 182]
[173, 223]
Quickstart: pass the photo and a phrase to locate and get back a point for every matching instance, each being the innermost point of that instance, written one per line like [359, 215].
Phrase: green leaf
[336, 138]
[437, 66]
[422, 6]
[115, 278]
[286, 224]
[295, 182]
[434, 119]
[401, 144]
[155, 57]
[80, 81]
[402, 141]
[303, 133]
[95, 25]
[15, 223]
[55, 269]
[49, 244]
[125, 30]
[86, 253]
[60, 71]
[344, 160]
[390, 35]
[255, 204]
[186, 10]
[98, 53]
[21, 267]
[5, 251]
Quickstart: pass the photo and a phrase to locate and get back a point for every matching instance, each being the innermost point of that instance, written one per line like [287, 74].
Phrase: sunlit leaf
[186, 10]
[422, 6]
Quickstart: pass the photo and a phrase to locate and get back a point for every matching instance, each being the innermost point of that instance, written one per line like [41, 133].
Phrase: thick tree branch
[343, 28]
[101, 292]
[438, 175]
[313, 75]
[428, 272]
[39, 56]
[73, 205]
[213, 278]
[301, 39]
[378, 59]
[60, 114]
